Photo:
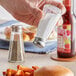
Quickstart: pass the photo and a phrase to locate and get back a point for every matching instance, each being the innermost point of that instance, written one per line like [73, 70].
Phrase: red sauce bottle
[65, 48]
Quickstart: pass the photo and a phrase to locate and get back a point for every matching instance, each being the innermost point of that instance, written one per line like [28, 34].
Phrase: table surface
[32, 59]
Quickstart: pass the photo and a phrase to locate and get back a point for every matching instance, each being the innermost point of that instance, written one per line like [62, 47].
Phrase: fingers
[60, 22]
[31, 19]
[37, 14]
[59, 5]
[52, 2]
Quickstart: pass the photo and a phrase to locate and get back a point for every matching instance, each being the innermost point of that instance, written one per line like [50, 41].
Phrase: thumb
[37, 14]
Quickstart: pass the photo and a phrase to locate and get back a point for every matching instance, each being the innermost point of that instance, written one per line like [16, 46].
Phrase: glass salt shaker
[16, 47]
[46, 25]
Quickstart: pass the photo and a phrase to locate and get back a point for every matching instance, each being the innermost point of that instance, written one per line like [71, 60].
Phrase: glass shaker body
[46, 25]
[16, 47]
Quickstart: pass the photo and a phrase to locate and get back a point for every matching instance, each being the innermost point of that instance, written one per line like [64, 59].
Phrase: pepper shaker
[16, 47]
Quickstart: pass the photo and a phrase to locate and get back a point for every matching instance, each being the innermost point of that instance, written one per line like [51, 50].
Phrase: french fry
[19, 73]
[32, 74]
[26, 37]
[10, 72]
[31, 35]
[35, 67]
[25, 69]
[27, 74]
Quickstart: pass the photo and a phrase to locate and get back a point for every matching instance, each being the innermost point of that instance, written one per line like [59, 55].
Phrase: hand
[59, 5]
[28, 11]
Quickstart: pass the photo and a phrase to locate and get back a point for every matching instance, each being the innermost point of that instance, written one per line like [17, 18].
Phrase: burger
[53, 71]
[27, 33]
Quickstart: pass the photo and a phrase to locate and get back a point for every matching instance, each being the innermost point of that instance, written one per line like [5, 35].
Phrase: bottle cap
[16, 28]
[67, 2]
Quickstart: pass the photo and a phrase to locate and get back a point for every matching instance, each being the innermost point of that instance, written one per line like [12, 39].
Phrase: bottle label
[64, 38]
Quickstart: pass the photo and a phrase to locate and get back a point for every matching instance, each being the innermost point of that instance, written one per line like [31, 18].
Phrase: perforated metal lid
[16, 28]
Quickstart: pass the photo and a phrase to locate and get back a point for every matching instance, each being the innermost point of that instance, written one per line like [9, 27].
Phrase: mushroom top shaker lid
[16, 28]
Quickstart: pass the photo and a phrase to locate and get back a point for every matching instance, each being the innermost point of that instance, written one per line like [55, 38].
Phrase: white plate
[2, 37]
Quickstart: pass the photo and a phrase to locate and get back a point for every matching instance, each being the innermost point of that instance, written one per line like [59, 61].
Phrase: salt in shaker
[47, 24]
